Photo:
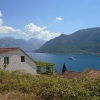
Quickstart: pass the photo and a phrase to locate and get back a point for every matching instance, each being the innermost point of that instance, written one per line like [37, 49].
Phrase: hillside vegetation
[20, 86]
[85, 41]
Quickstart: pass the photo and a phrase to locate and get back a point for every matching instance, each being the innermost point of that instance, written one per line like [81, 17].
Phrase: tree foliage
[63, 68]
[44, 67]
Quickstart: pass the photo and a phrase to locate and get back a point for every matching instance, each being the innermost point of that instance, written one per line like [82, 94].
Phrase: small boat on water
[71, 58]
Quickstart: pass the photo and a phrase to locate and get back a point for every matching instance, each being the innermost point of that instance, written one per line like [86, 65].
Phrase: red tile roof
[3, 50]
[91, 73]
[71, 74]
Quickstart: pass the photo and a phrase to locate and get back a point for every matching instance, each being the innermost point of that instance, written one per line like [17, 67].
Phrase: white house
[17, 59]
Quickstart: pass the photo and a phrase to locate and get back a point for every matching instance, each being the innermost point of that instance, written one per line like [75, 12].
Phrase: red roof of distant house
[3, 50]
[91, 73]
[71, 74]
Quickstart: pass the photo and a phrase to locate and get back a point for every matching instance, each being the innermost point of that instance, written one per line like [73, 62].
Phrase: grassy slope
[19, 86]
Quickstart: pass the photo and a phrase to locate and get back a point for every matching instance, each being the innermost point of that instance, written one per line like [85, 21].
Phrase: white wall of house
[15, 63]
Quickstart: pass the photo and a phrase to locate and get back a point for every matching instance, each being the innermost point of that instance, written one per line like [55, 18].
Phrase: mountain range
[26, 45]
[85, 41]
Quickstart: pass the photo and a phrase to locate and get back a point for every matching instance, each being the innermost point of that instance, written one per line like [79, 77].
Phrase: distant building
[71, 74]
[91, 73]
[88, 72]
[17, 59]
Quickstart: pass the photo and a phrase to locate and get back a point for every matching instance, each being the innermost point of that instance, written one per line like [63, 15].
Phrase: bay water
[79, 63]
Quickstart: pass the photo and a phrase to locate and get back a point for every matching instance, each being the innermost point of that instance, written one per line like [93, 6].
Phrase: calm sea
[79, 64]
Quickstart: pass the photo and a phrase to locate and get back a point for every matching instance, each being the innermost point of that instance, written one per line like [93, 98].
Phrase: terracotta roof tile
[3, 50]
[71, 74]
[91, 73]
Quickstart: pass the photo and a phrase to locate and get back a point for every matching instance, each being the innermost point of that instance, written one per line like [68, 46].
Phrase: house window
[6, 60]
[22, 58]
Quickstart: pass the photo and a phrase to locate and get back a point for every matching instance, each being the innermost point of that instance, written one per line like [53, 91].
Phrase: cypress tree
[63, 68]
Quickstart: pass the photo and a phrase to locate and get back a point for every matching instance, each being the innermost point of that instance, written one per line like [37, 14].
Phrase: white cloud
[59, 18]
[31, 31]
[1, 22]
[39, 32]
[0, 14]
[33, 28]
[6, 29]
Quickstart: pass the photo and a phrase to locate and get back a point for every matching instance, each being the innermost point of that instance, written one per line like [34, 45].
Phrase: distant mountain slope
[85, 41]
[26, 45]
[36, 43]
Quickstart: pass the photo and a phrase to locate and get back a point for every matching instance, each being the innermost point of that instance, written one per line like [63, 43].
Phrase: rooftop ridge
[3, 50]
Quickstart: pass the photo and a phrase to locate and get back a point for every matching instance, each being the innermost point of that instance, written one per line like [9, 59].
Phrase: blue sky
[46, 19]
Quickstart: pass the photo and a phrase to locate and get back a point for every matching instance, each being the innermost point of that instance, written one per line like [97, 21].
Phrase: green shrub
[48, 87]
